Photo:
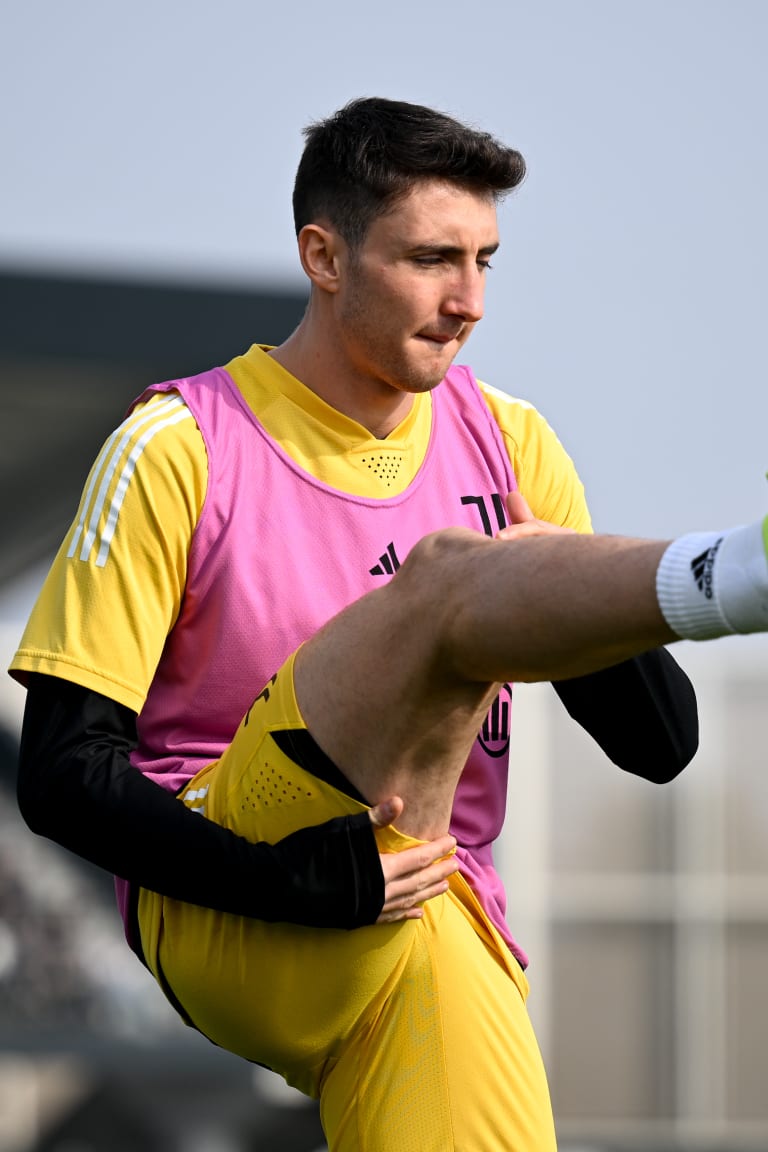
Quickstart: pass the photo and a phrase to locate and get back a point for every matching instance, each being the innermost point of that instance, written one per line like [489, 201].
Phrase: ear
[319, 251]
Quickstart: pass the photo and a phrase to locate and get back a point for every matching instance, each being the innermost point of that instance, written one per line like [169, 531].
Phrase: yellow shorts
[414, 1036]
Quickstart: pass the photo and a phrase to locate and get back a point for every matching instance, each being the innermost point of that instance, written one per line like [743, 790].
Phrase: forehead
[438, 212]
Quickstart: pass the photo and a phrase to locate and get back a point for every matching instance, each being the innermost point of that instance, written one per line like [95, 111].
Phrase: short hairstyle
[360, 161]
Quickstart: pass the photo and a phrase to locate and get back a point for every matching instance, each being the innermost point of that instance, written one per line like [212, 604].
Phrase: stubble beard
[392, 366]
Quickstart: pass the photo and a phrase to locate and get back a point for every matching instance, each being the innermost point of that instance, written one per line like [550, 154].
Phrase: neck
[319, 363]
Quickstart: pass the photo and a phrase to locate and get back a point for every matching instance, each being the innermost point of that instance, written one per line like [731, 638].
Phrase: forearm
[77, 787]
[642, 713]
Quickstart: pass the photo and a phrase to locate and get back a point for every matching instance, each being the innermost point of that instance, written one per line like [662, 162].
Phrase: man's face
[414, 290]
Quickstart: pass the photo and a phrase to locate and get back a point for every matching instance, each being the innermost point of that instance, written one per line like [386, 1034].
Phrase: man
[306, 540]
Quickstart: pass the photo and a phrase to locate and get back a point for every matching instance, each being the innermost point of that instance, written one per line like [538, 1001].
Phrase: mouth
[440, 338]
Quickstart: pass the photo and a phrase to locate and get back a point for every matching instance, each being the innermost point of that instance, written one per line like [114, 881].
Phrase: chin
[425, 383]
[425, 377]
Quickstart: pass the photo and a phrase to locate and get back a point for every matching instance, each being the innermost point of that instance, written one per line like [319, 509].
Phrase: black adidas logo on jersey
[388, 563]
[701, 567]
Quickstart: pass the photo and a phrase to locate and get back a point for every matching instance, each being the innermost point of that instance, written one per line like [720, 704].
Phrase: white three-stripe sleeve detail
[122, 485]
[89, 492]
[150, 417]
[123, 436]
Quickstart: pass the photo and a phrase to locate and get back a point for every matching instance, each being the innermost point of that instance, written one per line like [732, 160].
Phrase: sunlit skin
[386, 321]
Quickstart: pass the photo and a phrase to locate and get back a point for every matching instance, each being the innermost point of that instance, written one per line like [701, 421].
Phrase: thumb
[517, 508]
[386, 812]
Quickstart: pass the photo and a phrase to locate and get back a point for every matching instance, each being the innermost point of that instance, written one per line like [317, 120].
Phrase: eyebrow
[453, 249]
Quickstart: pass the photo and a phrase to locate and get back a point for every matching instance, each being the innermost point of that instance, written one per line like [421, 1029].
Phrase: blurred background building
[92, 1059]
[645, 909]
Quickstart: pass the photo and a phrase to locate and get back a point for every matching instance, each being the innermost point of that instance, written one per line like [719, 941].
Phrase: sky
[628, 299]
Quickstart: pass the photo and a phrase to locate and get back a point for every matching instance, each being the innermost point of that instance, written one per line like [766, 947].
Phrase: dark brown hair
[359, 162]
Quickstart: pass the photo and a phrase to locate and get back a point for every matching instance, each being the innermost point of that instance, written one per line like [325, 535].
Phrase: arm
[642, 713]
[76, 786]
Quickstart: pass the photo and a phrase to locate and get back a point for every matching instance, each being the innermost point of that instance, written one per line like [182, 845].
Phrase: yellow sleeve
[545, 473]
[114, 590]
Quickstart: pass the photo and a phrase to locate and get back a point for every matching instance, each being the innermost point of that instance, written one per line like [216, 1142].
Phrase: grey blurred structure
[644, 909]
[74, 351]
[92, 1059]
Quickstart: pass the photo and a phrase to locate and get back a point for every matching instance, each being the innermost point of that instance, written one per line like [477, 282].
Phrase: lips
[438, 337]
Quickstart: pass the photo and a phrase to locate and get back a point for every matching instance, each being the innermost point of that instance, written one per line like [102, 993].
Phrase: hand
[524, 523]
[414, 875]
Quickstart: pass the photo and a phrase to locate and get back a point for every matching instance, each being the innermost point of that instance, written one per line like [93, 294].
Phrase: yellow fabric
[363, 1018]
[415, 1036]
[101, 621]
[330, 446]
[545, 472]
[103, 624]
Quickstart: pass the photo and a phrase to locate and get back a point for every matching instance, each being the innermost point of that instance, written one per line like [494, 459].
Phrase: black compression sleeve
[642, 713]
[76, 786]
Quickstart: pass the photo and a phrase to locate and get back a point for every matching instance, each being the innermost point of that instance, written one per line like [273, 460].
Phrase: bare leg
[396, 687]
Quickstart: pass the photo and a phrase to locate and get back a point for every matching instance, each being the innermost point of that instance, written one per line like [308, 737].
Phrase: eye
[485, 265]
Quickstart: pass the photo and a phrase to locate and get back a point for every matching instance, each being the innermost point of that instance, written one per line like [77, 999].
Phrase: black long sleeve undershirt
[642, 713]
[77, 787]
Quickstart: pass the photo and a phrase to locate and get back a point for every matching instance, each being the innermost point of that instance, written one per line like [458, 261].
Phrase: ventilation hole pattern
[385, 467]
[271, 788]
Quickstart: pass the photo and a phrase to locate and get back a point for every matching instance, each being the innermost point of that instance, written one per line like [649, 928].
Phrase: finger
[413, 898]
[396, 917]
[410, 907]
[414, 908]
[405, 892]
[398, 893]
[386, 812]
[413, 861]
[524, 528]
[518, 509]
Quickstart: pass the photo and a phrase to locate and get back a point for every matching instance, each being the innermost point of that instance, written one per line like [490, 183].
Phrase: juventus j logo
[482, 508]
[263, 695]
[494, 735]
[388, 561]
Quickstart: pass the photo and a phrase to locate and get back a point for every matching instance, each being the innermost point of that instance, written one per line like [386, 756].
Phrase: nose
[466, 298]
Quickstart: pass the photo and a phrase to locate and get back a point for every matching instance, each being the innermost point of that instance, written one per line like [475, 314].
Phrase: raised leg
[395, 688]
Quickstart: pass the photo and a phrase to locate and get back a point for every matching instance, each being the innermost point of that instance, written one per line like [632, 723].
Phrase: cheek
[384, 306]
[403, 298]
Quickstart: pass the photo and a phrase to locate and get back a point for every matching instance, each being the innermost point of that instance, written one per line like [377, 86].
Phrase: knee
[438, 566]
